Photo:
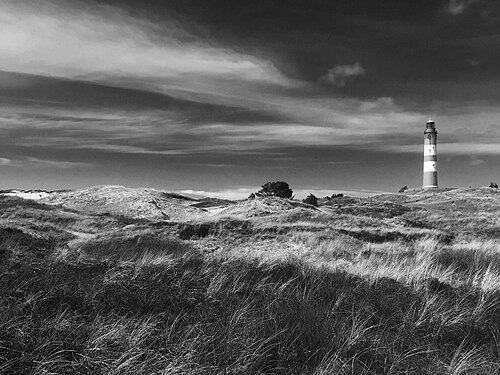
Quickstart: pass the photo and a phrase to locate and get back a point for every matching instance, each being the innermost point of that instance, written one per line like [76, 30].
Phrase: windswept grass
[283, 289]
[192, 315]
[131, 246]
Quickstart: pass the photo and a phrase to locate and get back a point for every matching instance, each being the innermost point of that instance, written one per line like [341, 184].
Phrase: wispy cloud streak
[74, 39]
[340, 74]
[5, 161]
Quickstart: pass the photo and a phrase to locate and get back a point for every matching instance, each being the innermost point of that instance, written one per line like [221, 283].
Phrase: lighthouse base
[430, 179]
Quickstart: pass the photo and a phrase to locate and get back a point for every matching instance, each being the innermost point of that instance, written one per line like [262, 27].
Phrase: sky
[218, 97]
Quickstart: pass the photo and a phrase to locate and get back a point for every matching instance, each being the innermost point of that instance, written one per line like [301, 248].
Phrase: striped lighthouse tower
[430, 156]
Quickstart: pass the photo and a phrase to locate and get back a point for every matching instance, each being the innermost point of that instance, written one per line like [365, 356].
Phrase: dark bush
[275, 189]
[312, 200]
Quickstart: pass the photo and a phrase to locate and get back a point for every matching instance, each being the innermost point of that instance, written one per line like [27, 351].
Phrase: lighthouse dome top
[430, 127]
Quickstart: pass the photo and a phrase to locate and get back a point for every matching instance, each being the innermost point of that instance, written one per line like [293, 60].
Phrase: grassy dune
[403, 284]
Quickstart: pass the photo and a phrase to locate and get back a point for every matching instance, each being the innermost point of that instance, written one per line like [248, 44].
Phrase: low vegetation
[311, 199]
[403, 284]
[275, 189]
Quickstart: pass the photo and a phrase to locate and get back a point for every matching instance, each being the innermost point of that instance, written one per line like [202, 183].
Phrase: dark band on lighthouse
[430, 156]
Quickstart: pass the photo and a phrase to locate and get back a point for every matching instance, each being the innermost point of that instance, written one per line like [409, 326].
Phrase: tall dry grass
[161, 314]
[300, 292]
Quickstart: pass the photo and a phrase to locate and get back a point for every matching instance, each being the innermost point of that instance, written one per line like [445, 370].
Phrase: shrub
[312, 200]
[275, 189]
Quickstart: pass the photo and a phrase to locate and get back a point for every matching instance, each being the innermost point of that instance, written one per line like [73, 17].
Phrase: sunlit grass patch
[472, 255]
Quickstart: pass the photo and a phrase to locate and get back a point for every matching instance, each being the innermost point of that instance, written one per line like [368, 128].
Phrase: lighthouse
[430, 156]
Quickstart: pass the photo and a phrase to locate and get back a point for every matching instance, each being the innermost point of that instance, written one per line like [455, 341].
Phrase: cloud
[152, 134]
[56, 163]
[298, 122]
[359, 125]
[341, 162]
[40, 163]
[476, 161]
[215, 165]
[5, 161]
[456, 7]
[473, 62]
[384, 103]
[100, 42]
[123, 149]
[340, 74]
[244, 111]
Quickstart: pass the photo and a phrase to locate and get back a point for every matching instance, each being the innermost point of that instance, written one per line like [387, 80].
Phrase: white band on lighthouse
[429, 150]
[430, 166]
